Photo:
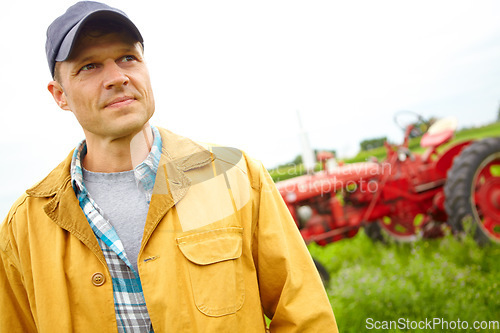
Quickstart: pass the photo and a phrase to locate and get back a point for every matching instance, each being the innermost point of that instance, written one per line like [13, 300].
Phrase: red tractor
[406, 195]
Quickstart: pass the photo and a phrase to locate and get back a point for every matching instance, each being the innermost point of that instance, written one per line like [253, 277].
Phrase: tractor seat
[439, 132]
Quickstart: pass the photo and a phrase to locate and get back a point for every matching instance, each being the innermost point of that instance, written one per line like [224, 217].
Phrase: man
[142, 230]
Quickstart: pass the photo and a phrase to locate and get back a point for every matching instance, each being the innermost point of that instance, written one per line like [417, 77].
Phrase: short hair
[94, 29]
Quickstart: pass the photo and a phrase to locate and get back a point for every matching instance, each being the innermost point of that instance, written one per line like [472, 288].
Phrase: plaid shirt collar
[145, 172]
[130, 306]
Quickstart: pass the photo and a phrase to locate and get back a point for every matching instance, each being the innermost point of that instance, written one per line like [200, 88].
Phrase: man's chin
[126, 130]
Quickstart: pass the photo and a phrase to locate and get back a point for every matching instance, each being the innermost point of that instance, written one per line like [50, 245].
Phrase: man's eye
[88, 67]
[127, 58]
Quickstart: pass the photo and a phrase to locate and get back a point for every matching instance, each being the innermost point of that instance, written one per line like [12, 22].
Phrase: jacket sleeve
[292, 293]
[15, 311]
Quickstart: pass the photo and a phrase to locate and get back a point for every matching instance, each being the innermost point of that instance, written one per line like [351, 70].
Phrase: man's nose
[114, 76]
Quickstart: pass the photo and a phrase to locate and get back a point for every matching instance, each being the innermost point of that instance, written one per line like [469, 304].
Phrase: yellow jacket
[219, 251]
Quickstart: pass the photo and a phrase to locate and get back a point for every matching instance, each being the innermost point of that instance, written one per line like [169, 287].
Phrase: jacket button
[98, 279]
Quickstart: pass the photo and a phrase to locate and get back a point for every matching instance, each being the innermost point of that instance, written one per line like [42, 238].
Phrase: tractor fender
[445, 160]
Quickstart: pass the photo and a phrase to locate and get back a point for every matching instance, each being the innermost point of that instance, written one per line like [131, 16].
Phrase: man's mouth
[120, 101]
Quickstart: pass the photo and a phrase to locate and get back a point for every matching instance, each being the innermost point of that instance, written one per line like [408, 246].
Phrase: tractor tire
[323, 273]
[378, 232]
[374, 231]
[472, 191]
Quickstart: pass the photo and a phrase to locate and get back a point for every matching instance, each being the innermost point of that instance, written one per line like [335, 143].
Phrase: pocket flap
[211, 246]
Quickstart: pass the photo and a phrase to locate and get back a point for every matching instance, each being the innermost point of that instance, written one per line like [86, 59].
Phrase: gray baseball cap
[63, 32]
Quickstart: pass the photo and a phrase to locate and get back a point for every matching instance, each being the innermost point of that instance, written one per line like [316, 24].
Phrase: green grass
[414, 144]
[445, 278]
[480, 132]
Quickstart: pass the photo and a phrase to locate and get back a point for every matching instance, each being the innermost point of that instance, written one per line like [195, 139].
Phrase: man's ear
[57, 92]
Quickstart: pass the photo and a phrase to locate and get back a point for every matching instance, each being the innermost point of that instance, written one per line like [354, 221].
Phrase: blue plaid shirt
[130, 306]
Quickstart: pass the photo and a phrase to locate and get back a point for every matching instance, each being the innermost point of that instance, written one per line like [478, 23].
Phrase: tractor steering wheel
[405, 118]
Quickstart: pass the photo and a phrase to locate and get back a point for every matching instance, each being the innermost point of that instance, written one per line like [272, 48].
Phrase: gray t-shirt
[123, 204]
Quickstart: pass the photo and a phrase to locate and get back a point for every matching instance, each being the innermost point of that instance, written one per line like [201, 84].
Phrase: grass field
[446, 279]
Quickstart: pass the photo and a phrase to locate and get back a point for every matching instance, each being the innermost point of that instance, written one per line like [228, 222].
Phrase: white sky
[235, 73]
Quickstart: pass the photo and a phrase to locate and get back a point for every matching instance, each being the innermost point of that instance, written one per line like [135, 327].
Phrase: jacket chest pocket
[215, 269]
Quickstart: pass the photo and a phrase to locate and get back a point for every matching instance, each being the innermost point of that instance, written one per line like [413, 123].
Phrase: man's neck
[117, 155]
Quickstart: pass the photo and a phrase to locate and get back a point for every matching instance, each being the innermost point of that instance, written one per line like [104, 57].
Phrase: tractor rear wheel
[472, 191]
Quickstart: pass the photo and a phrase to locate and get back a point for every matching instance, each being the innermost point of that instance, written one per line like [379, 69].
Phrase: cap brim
[69, 40]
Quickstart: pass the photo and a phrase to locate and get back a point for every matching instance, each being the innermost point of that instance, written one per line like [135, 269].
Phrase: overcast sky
[235, 73]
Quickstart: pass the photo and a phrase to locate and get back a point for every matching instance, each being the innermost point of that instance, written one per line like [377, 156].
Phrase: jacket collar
[184, 153]
[57, 178]
[177, 151]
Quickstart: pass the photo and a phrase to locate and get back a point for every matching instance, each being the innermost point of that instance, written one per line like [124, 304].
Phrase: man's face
[106, 84]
